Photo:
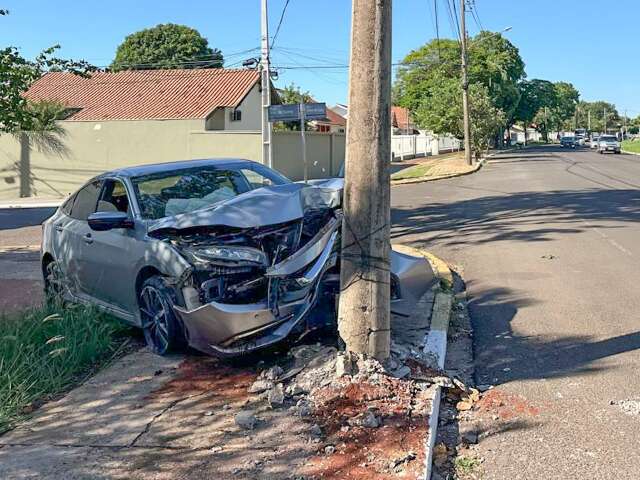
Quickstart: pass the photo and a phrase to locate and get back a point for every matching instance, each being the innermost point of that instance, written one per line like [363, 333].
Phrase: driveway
[20, 276]
[547, 241]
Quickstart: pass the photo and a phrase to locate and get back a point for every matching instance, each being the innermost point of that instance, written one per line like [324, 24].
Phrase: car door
[113, 255]
[77, 236]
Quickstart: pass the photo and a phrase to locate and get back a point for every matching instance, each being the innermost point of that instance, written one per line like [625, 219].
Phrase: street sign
[284, 113]
[290, 113]
[315, 111]
[300, 112]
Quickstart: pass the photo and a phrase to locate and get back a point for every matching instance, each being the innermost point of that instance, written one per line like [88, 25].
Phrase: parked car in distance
[568, 142]
[608, 143]
[594, 142]
[226, 256]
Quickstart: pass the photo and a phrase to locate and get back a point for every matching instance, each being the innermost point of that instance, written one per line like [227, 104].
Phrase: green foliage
[597, 110]
[16, 76]
[41, 126]
[166, 46]
[631, 146]
[46, 350]
[428, 83]
[486, 118]
[496, 63]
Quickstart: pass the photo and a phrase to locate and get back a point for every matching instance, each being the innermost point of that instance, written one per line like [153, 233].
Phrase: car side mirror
[102, 221]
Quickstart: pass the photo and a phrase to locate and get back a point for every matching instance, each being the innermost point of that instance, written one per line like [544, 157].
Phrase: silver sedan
[227, 256]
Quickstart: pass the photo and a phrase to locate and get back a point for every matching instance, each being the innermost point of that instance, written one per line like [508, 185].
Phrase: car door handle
[87, 238]
[58, 227]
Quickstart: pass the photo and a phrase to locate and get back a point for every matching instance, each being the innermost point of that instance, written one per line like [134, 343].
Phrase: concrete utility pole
[364, 311]
[589, 120]
[265, 76]
[604, 119]
[465, 86]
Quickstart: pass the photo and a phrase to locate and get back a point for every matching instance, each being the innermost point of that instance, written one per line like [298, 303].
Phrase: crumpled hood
[257, 208]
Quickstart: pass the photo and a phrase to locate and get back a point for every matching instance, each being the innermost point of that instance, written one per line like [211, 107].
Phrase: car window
[68, 204]
[113, 197]
[256, 179]
[85, 201]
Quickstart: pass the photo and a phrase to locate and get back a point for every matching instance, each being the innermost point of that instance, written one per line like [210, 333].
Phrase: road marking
[608, 239]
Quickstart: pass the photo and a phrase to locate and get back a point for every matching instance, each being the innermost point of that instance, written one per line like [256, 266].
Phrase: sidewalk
[31, 202]
[309, 413]
[434, 168]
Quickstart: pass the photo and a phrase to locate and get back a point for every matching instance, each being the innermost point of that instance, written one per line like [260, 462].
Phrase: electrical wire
[435, 14]
[275, 36]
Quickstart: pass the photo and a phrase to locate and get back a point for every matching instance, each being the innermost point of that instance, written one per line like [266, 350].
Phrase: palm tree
[43, 131]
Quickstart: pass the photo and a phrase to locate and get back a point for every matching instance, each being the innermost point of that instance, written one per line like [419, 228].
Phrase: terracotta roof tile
[146, 94]
[400, 117]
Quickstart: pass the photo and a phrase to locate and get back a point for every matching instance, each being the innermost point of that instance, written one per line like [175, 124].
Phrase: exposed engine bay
[249, 286]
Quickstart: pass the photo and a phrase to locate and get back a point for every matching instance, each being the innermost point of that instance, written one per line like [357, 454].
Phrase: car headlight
[229, 255]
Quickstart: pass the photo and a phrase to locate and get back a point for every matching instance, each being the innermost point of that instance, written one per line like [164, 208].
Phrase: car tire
[163, 331]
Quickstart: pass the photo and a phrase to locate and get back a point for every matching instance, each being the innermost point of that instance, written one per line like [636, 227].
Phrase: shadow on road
[526, 216]
[522, 217]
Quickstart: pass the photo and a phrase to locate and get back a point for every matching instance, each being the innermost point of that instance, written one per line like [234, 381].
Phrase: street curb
[43, 204]
[630, 153]
[477, 167]
[436, 343]
[407, 181]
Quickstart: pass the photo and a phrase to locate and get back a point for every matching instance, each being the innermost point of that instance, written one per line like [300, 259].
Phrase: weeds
[45, 350]
[466, 465]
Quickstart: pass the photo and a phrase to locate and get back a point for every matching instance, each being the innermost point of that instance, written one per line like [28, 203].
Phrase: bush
[46, 350]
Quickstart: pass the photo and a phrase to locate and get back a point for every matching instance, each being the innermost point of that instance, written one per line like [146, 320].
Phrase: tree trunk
[25, 166]
[364, 312]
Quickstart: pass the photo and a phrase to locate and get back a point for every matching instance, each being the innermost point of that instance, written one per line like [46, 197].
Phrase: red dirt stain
[505, 405]
[366, 453]
[198, 375]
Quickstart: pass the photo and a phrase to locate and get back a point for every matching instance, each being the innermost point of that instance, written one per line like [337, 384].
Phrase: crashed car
[226, 256]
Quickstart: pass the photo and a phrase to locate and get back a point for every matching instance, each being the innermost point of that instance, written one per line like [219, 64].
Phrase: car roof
[152, 168]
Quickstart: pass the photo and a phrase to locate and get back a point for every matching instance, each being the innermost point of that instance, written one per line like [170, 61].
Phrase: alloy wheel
[155, 319]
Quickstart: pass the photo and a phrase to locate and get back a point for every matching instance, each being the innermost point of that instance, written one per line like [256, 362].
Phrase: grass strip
[631, 146]
[46, 350]
[416, 171]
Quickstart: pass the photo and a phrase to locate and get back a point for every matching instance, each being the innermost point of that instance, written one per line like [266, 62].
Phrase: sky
[595, 47]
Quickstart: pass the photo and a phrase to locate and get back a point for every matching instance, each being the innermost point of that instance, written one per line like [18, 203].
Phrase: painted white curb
[436, 346]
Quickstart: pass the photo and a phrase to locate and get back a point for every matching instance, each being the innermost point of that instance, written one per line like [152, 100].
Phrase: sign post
[301, 112]
[304, 143]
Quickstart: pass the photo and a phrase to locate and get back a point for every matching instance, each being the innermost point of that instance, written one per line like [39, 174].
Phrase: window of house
[113, 197]
[236, 115]
[85, 201]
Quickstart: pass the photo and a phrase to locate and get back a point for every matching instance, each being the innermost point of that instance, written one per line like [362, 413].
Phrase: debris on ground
[630, 407]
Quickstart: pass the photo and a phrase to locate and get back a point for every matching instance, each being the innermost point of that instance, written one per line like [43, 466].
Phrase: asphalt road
[548, 244]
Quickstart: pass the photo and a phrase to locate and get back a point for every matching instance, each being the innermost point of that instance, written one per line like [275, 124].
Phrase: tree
[597, 111]
[166, 46]
[41, 130]
[428, 82]
[16, 76]
[289, 95]
[496, 63]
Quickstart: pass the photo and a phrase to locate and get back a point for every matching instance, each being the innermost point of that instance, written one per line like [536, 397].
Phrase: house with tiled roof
[334, 123]
[402, 122]
[222, 99]
[120, 119]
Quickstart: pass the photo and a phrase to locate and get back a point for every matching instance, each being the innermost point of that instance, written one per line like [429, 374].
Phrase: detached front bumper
[234, 329]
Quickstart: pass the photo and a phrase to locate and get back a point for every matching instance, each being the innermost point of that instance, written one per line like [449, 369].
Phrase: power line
[435, 13]
[275, 36]
[452, 21]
